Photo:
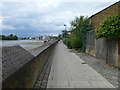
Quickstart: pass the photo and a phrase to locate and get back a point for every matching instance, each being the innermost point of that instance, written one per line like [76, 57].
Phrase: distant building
[30, 38]
[40, 37]
[46, 37]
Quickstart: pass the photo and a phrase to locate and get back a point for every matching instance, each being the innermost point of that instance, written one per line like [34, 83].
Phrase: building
[97, 18]
[46, 37]
[108, 50]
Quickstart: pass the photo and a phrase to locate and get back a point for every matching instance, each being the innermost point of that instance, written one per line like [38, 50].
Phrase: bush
[73, 42]
[68, 43]
[76, 36]
[109, 28]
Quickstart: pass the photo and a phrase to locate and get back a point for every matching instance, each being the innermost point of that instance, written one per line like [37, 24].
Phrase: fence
[90, 39]
[119, 53]
[90, 43]
[105, 49]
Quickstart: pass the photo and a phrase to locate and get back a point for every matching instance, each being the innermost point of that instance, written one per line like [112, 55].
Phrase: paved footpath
[69, 71]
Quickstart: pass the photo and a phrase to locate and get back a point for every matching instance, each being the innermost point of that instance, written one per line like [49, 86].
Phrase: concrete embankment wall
[26, 76]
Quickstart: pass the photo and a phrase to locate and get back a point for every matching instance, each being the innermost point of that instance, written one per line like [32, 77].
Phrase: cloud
[89, 0]
[8, 27]
[43, 17]
[54, 1]
[0, 26]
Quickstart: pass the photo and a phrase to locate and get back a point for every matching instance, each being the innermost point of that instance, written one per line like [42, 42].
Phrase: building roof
[104, 9]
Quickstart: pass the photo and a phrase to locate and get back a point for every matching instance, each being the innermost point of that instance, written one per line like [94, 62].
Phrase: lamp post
[65, 26]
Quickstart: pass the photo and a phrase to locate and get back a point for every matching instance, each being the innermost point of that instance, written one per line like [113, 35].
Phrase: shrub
[68, 43]
[75, 42]
[109, 28]
[76, 36]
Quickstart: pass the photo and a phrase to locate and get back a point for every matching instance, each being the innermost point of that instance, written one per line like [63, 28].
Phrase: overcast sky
[30, 18]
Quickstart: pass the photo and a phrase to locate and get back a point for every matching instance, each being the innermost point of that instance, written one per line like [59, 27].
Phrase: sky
[33, 18]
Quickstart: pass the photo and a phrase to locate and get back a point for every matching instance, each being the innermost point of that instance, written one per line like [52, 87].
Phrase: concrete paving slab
[67, 71]
[57, 84]
[100, 84]
[80, 84]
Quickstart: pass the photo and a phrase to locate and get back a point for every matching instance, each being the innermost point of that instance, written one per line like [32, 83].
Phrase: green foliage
[80, 24]
[59, 36]
[65, 36]
[9, 37]
[77, 38]
[33, 38]
[68, 43]
[109, 28]
[75, 42]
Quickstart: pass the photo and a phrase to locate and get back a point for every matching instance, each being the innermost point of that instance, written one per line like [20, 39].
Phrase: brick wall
[100, 16]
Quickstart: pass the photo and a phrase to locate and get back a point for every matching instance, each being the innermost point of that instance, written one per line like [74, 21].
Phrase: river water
[26, 44]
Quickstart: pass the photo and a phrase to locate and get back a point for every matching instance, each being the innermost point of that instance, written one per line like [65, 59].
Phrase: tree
[9, 37]
[65, 36]
[59, 36]
[15, 37]
[77, 39]
[109, 28]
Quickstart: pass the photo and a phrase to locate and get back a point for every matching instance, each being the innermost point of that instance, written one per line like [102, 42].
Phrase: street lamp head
[64, 24]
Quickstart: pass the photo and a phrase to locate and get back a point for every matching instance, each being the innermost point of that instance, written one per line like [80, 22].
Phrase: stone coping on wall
[40, 49]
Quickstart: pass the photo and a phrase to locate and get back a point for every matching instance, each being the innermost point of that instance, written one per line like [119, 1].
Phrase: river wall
[20, 68]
